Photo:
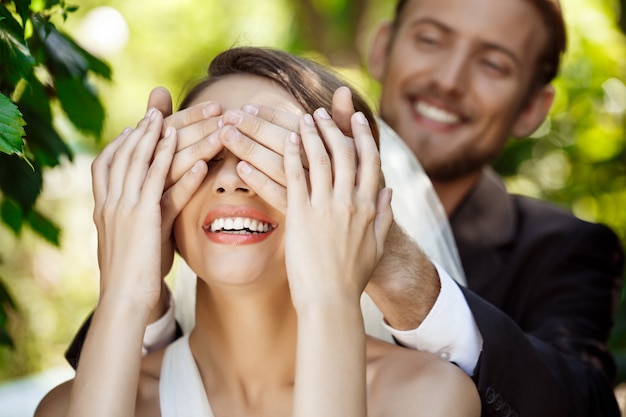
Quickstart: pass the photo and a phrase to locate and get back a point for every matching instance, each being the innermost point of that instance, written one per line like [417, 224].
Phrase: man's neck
[452, 193]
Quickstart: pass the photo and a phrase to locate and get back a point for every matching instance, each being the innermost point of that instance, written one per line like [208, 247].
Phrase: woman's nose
[226, 179]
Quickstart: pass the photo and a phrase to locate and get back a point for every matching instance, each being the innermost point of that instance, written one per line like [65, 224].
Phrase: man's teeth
[435, 113]
[239, 225]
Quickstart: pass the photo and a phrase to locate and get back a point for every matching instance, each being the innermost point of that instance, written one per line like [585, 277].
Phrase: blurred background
[106, 56]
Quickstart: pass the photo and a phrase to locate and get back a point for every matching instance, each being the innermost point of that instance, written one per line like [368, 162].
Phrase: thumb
[161, 99]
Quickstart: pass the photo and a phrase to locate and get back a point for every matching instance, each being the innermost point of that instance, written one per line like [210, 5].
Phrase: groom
[459, 77]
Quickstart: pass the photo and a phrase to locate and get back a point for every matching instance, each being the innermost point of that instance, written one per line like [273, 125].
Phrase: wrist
[407, 292]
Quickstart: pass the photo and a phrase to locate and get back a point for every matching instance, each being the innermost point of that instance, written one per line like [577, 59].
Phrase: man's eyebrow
[486, 45]
[431, 21]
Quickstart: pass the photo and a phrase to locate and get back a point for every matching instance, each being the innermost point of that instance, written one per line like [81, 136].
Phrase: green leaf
[20, 181]
[6, 303]
[81, 104]
[97, 66]
[44, 227]
[36, 96]
[11, 215]
[11, 127]
[23, 9]
[44, 143]
[16, 61]
[61, 58]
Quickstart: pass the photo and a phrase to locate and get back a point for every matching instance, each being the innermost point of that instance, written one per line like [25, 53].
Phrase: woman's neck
[244, 340]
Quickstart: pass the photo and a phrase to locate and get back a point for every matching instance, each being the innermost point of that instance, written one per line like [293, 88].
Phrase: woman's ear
[379, 51]
[534, 112]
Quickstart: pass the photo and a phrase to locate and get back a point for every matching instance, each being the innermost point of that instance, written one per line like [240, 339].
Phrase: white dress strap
[181, 389]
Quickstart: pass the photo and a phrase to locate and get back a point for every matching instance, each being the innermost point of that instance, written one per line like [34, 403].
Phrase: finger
[152, 187]
[270, 134]
[269, 190]
[100, 169]
[343, 109]
[320, 167]
[247, 149]
[267, 134]
[204, 149]
[195, 123]
[369, 173]
[199, 130]
[161, 99]
[141, 153]
[121, 161]
[176, 197]
[383, 219]
[297, 193]
[287, 120]
[343, 152]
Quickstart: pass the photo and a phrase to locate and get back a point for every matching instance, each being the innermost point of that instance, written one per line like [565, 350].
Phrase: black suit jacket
[543, 287]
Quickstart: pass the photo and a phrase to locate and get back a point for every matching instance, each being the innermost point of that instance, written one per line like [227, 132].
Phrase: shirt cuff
[161, 332]
[449, 330]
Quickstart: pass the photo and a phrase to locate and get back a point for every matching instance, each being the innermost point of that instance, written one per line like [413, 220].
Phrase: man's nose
[452, 75]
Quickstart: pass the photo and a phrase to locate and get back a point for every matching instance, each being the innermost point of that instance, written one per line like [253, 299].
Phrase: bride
[278, 323]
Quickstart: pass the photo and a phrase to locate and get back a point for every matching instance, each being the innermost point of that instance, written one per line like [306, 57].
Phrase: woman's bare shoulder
[55, 402]
[412, 383]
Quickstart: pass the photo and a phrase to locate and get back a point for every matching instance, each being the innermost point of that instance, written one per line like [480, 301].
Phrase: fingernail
[149, 113]
[210, 109]
[361, 119]
[309, 120]
[220, 123]
[251, 109]
[169, 132]
[233, 117]
[125, 131]
[153, 115]
[196, 167]
[322, 113]
[245, 167]
[232, 134]
[293, 138]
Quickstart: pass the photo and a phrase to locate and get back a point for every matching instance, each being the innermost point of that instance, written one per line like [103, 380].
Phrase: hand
[197, 128]
[128, 180]
[259, 139]
[335, 231]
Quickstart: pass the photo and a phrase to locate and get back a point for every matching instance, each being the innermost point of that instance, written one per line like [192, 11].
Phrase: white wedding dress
[181, 389]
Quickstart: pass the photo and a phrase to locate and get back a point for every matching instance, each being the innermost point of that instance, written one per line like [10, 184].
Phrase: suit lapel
[483, 224]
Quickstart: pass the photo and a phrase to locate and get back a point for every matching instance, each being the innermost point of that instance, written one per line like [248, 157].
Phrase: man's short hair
[550, 58]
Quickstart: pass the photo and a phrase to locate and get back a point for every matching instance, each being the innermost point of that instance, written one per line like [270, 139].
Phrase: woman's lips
[232, 225]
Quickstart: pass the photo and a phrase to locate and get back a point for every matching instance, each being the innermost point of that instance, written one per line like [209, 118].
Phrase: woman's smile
[237, 225]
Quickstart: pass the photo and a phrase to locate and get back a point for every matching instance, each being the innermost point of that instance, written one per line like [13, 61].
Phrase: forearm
[108, 374]
[405, 284]
[330, 363]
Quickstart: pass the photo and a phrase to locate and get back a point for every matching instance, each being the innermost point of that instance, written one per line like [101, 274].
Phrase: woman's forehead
[233, 91]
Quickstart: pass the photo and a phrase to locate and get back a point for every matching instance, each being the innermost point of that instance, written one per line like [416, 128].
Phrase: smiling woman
[278, 329]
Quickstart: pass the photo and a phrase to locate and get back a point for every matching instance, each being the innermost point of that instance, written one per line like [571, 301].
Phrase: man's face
[455, 78]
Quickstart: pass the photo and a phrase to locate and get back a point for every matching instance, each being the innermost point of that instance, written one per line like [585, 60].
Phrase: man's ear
[378, 54]
[534, 112]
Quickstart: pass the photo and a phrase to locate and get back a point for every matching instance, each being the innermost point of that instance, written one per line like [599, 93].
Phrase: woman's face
[226, 232]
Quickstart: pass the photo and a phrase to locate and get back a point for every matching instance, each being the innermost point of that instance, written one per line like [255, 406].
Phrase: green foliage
[41, 69]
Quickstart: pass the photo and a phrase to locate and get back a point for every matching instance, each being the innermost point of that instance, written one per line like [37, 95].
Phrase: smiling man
[459, 78]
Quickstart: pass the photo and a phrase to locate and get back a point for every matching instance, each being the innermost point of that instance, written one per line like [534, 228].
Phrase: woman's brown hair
[310, 83]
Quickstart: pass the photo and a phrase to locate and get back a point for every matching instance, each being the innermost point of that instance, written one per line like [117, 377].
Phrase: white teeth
[239, 225]
[435, 113]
